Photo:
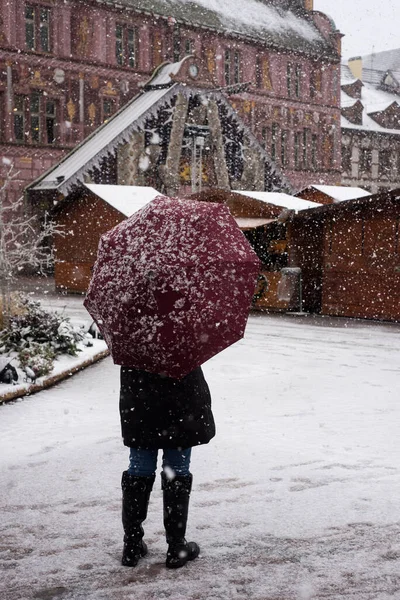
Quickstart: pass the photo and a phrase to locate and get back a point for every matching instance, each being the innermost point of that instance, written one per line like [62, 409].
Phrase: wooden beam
[169, 172]
[221, 169]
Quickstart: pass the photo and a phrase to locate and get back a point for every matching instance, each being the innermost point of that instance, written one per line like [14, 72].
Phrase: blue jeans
[143, 463]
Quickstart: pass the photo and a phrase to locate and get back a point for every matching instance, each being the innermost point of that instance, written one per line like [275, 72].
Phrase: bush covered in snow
[38, 326]
[35, 337]
[37, 358]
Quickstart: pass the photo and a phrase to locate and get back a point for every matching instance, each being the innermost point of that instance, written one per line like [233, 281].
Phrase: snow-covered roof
[250, 223]
[258, 19]
[281, 199]
[372, 76]
[373, 100]
[108, 136]
[346, 76]
[377, 64]
[126, 199]
[341, 193]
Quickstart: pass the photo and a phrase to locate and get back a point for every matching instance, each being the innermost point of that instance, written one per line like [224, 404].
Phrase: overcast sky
[369, 26]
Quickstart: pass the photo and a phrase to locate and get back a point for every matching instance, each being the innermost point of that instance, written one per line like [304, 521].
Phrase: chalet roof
[280, 199]
[268, 24]
[374, 202]
[126, 199]
[105, 139]
[338, 193]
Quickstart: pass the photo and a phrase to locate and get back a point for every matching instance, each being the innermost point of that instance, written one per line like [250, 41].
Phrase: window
[297, 150]
[108, 109]
[44, 23]
[297, 81]
[346, 158]
[189, 47]
[50, 121]
[236, 67]
[232, 67]
[131, 43]
[227, 67]
[274, 140]
[284, 148]
[305, 148]
[385, 163]
[293, 79]
[176, 43]
[125, 46]
[314, 152]
[335, 87]
[35, 119]
[365, 160]
[119, 44]
[289, 70]
[19, 118]
[259, 78]
[37, 28]
[30, 28]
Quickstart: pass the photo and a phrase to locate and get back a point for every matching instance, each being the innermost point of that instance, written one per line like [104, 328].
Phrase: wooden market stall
[264, 218]
[349, 254]
[84, 216]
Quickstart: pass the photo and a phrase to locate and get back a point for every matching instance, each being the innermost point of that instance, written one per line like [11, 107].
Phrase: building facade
[67, 66]
[370, 99]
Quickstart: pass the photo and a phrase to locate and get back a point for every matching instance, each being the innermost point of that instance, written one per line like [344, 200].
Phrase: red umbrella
[172, 285]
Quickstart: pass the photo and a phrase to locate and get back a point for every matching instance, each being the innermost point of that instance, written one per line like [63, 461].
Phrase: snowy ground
[297, 497]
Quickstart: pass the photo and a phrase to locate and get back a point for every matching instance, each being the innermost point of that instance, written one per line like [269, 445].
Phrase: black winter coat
[161, 412]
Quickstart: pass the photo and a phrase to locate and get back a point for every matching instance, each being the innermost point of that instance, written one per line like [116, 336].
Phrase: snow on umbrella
[172, 285]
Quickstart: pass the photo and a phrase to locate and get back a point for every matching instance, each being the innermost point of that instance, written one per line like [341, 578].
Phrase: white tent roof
[127, 199]
[341, 193]
[281, 199]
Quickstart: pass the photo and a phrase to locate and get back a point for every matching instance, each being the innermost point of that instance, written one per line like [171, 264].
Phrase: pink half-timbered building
[67, 66]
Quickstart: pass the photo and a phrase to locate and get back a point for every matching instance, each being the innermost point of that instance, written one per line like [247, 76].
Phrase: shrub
[39, 358]
[37, 326]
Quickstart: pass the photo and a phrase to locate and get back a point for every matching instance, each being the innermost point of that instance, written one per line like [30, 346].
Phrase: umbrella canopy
[172, 285]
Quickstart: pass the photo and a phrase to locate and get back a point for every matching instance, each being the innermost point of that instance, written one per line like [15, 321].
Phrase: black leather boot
[135, 501]
[176, 493]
